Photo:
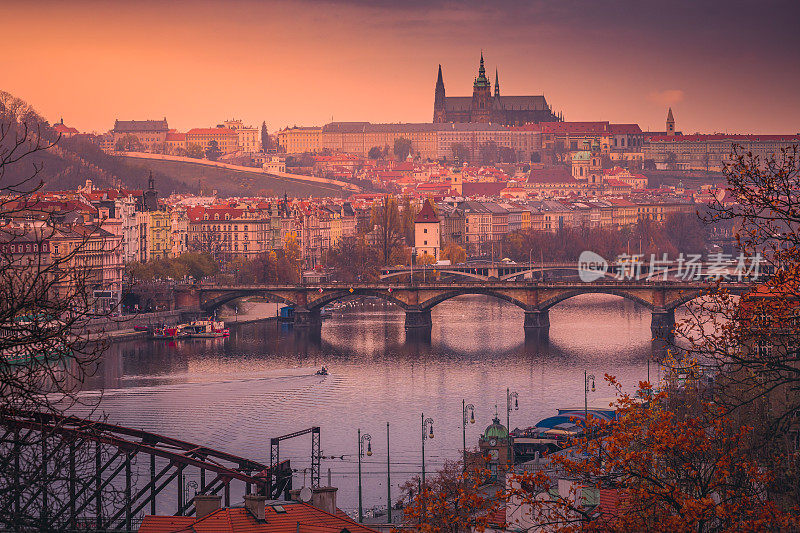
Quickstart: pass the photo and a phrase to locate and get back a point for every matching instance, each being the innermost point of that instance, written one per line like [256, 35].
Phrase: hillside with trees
[69, 162]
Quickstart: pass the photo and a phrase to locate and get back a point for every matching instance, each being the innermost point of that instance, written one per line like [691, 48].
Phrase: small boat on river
[203, 329]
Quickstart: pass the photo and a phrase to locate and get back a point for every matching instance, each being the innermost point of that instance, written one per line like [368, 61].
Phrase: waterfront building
[159, 234]
[427, 232]
[487, 107]
[95, 255]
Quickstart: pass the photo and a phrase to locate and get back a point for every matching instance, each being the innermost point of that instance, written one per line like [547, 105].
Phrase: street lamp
[425, 435]
[509, 396]
[361, 439]
[586, 379]
[464, 408]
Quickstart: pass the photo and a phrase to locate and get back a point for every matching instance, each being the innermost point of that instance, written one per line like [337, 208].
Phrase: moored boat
[204, 329]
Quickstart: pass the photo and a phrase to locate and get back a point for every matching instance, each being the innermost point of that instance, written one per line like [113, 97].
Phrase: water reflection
[235, 393]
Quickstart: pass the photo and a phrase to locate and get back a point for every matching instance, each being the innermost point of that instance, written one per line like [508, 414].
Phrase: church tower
[481, 96]
[670, 123]
[496, 84]
[439, 113]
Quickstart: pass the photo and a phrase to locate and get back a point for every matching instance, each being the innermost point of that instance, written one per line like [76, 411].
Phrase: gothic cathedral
[486, 107]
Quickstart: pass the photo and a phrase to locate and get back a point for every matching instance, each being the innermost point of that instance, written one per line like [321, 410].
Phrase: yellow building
[227, 139]
[299, 140]
[159, 235]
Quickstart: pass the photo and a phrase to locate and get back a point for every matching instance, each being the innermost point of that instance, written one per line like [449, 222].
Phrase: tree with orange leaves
[451, 501]
[670, 462]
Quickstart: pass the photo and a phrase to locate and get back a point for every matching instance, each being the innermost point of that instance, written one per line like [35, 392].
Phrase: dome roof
[496, 430]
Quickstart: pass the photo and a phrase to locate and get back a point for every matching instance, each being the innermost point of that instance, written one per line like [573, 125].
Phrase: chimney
[206, 504]
[324, 498]
[255, 503]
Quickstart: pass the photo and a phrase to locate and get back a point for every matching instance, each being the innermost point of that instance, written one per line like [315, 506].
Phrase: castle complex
[485, 107]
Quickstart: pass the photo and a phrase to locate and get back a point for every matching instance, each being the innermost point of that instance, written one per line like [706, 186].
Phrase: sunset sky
[723, 66]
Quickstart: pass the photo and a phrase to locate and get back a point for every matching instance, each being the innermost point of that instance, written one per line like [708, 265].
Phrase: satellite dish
[305, 494]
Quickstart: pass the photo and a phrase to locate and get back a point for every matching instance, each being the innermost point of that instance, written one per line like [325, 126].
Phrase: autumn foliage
[671, 462]
[451, 500]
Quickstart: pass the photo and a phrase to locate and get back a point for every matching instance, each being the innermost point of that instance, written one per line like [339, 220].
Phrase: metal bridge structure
[87, 474]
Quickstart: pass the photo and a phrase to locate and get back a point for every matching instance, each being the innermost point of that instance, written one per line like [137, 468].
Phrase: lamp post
[361, 439]
[586, 379]
[388, 480]
[425, 423]
[464, 408]
[509, 396]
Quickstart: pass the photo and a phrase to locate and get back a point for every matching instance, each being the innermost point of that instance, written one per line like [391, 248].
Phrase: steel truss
[112, 449]
[316, 453]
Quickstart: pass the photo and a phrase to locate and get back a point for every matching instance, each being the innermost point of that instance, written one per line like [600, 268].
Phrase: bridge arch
[228, 296]
[683, 299]
[430, 303]
[566, 295]
[330, 297]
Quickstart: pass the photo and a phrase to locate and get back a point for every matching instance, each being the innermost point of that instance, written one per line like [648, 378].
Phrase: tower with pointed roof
[439, 100]
[670, 123]
[481, 96]
[427, 232]
[496, 84]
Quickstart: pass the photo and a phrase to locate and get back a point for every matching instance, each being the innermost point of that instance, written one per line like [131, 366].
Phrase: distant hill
[198, 175]
[72, 160]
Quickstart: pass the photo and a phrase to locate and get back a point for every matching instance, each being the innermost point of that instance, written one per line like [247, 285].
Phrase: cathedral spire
[496, 83]
[481, 80]
[439, 98]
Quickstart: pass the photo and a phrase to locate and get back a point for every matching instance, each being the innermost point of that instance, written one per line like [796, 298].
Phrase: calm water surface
[234, 394]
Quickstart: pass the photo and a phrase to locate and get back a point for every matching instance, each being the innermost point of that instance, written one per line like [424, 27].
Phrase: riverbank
[111, 330]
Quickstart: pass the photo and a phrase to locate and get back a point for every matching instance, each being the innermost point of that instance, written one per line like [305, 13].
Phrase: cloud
[666, 97]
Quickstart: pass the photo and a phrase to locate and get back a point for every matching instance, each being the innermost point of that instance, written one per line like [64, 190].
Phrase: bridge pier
[662, 324]
[537, 321]
[418, 319]
[304, 317]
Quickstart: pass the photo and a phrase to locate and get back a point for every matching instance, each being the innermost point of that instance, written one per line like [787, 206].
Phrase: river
[234, 394]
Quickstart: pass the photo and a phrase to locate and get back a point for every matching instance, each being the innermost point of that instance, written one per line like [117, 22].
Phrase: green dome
[496, 430]
[581, 156]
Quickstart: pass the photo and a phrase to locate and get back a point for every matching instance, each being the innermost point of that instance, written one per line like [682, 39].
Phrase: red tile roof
[166, 524]
[550, 175]
[62, 128]
[298, 518]
[427, 214]
[626, 129]
[491, 188]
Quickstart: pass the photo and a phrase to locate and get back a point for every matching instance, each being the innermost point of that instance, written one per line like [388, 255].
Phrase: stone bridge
[417, 299]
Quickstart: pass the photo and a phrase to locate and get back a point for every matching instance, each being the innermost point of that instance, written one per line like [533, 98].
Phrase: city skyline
[308, 63]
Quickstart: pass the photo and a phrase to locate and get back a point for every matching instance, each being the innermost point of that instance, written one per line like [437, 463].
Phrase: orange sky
[198, 63]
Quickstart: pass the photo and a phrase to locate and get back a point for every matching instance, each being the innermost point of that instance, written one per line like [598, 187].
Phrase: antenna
[305, 494]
